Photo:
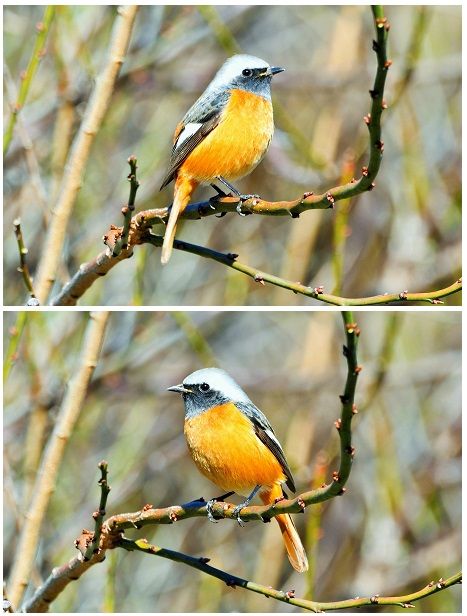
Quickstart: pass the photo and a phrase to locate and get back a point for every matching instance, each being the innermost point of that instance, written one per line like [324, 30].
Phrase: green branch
[201, 564]
[230, 260]
[38, 53]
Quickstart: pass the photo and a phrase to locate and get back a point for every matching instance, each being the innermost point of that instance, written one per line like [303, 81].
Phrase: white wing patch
[189, 130]
[273, 438]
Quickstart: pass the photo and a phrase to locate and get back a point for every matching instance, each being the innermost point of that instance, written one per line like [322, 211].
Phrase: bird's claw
[237, 511]
[240, 203]
[209, 505]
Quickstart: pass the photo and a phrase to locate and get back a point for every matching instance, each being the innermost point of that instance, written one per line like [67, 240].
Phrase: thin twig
[27, 76]
[53, 454]
[403, 297]
[233, 581]
[79, 154]
[128, 210]
[99, 515]
[23, 251]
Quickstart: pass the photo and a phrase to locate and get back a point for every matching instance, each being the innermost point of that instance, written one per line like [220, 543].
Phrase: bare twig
[38, 53]
[403, 297]
[23, 251]
[89, 272]
[47, 475]
[99, 515]
[128, 210]
[233, 581]
[79, 154]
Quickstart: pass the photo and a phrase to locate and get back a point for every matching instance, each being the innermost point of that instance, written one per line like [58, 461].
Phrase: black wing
[207, 112]
[262, 427]
[179, 155]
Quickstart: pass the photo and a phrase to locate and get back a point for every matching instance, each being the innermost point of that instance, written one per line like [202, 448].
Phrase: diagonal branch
[99, 266]
[47, 475]
[201, 564]
[79, 153]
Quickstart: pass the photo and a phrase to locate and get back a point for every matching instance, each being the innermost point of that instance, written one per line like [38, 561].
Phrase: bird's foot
[209, 506]
[210, 503]
[237, 511]
[240, 203]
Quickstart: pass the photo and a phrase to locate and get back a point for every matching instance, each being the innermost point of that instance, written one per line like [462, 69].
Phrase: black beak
[179, 389]
[276, 69]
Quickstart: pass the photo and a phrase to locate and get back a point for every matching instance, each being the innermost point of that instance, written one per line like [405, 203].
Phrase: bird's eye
[204, 387]
[247, 72]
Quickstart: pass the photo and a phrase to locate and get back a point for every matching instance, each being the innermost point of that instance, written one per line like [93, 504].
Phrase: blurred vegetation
[403, 235]
[397, 527]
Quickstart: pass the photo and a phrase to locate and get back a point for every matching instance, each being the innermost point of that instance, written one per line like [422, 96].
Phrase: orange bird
[233, 444]
[223, 136]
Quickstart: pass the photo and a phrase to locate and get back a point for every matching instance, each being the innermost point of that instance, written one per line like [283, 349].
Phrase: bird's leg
[245, 504]
[210, 503]
[235, 193]
[232, 189]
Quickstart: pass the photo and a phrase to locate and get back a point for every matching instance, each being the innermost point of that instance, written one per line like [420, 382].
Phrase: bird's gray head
[245, 72]
[204, 389]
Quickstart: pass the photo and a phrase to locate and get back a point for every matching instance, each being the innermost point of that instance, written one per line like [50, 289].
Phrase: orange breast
[237, 144]
[227, 451]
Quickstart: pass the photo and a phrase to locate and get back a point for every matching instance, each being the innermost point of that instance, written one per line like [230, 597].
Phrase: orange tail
[292, 542]
[183, 189]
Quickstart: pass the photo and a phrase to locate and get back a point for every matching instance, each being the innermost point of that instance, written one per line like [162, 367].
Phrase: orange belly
[227, 451]
[237, 144]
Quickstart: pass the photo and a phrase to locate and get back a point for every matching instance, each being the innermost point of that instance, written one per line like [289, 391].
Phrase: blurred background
[403, 235]
[397, 527]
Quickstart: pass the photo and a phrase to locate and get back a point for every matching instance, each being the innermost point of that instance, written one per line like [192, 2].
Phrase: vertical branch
[78, 158]
[127, 210]
[47, 475]
[93, 547]
[339, 235]
[23, 268]
[349, 409]
[38, 52]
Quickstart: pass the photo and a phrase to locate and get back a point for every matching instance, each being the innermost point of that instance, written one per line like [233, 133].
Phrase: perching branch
[92, 545]
[47, 475]
[91, 271]
[80, 151]
[108, 535]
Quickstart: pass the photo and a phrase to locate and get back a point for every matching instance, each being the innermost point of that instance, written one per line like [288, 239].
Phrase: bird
[233, 444]
[223, 136]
